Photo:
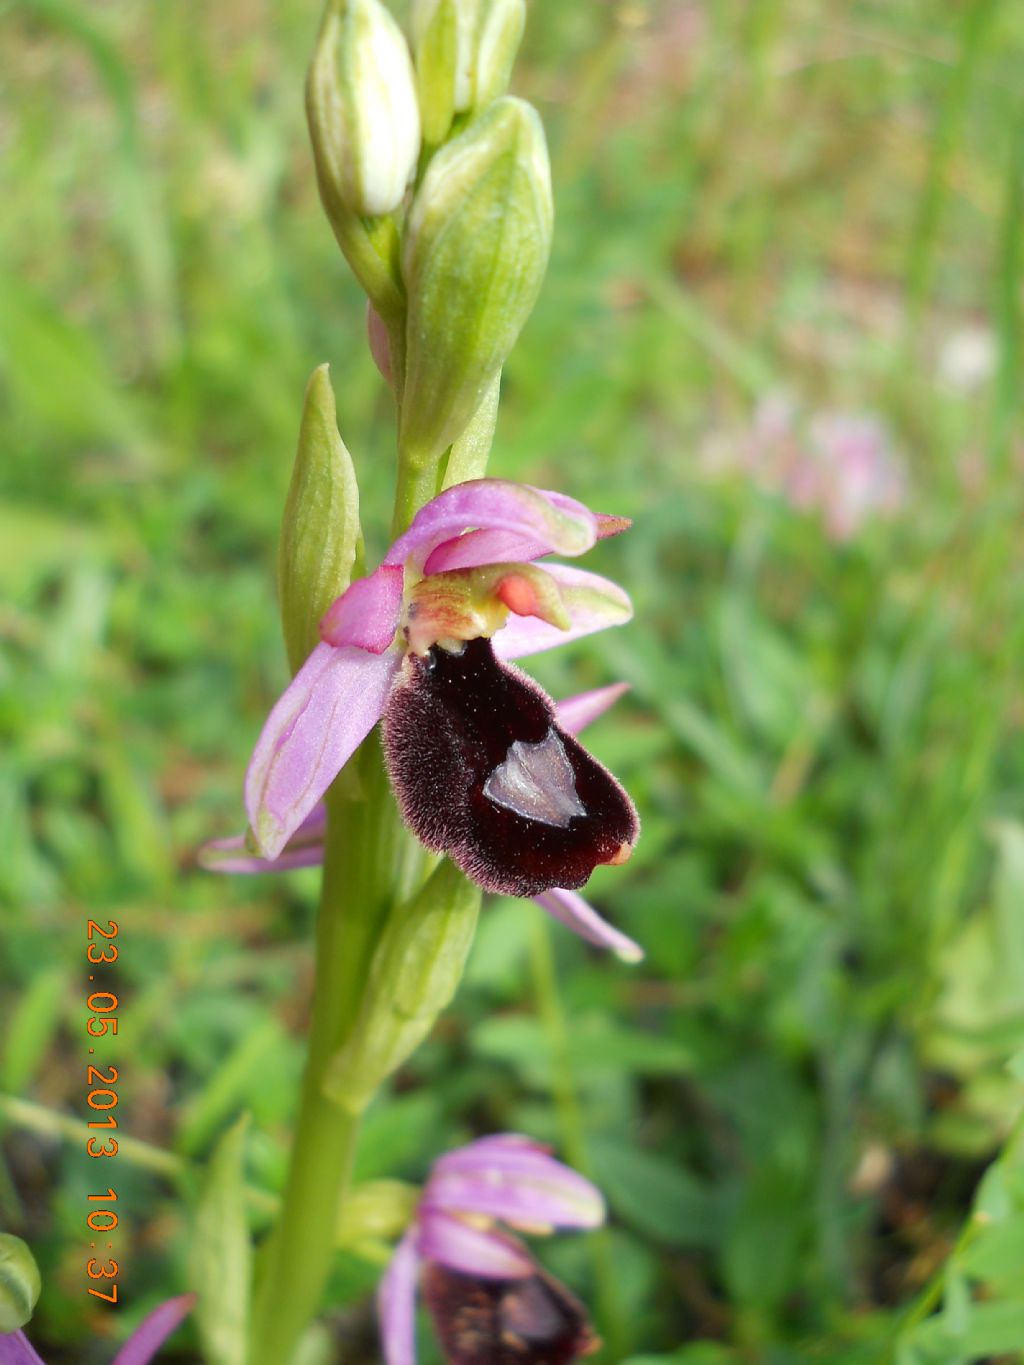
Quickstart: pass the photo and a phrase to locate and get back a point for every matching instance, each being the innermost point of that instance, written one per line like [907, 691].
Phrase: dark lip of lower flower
[484, 773]
[529, 1321]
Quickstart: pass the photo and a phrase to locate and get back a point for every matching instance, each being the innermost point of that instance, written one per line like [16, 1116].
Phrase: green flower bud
[435, 27]
[464, 55]
[361, 103]
[416, 968]
[498, 38]
[477, 243]
[320, 535]
[376, 1211]
[19, 1283]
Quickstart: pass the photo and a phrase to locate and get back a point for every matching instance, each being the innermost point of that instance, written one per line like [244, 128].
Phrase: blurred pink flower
[838, 465]
[484, 1290]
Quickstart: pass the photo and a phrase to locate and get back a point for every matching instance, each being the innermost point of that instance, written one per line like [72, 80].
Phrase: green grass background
[791, 1103]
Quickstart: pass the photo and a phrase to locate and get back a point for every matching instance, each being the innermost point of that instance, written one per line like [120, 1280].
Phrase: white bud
[363, 115]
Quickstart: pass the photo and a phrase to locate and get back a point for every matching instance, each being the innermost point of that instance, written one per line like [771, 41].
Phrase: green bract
[416, 968]
[477, 245]
[19, 1283]
[363, 115]
[320, 534]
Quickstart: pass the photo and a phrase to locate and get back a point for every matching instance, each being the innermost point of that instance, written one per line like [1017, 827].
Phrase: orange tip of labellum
[621, 855]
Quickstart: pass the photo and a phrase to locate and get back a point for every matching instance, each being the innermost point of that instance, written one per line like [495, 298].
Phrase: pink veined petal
[396, 1303]
[552, 523]
[328, 709]
[576, 713]
[475, 1251]
[16, 1349]
[367, 612]
[572, 910]
[520, 1185]
[153, 1331]
[593, 603]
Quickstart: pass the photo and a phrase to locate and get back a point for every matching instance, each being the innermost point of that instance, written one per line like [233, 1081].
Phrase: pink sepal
[570, 909]
[328, 709]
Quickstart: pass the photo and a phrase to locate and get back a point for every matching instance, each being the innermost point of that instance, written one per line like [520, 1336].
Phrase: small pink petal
[475, 1251]
[396, 1303]
[576, 713]
[593, 603]
[153, 1331]
[16, 1349]
[367, 613]
[328, 709]
[536, 521]
[572, 910]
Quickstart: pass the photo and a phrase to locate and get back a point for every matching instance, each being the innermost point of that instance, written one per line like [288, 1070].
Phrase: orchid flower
[488, 1298]
[140, 1348]
[306, 846]
[481, 768]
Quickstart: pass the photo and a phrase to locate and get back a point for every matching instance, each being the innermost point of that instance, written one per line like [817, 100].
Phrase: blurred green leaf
[222, 1254]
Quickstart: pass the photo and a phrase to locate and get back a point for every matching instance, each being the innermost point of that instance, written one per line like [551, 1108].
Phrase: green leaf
[31, 1026]
[658, 1197]
[222, 1257]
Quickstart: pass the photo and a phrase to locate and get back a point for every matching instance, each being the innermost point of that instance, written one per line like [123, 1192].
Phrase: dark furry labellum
[483, 772]
[533, 1321]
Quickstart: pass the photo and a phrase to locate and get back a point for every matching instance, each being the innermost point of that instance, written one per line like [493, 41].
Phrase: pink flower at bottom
[483, 1289]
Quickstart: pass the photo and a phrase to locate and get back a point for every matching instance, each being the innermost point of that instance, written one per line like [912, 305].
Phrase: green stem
[359, 870]
[570, 1121]
[418, 482]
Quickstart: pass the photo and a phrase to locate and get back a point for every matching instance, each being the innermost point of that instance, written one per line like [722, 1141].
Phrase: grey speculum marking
[536, 781]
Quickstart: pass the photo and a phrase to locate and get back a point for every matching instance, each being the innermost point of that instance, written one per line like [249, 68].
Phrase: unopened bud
[498, 37]
[361, 104]
[19, 1283]
[477, 243]
[376, 1211]
[464, 55]
[435, 28]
